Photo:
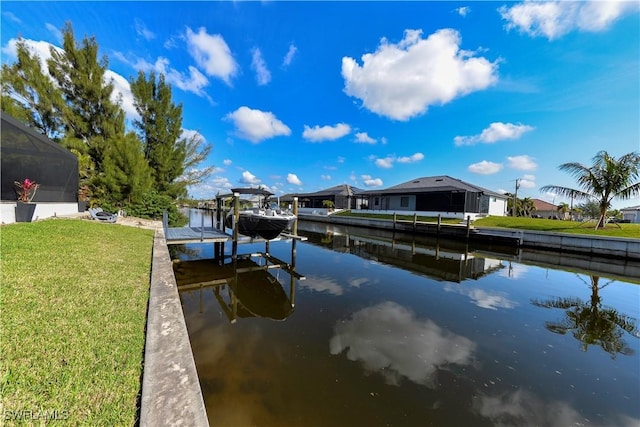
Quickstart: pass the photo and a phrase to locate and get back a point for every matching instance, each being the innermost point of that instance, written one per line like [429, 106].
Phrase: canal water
[368, 328]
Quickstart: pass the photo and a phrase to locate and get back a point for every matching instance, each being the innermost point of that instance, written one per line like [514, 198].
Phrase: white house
[631, 214]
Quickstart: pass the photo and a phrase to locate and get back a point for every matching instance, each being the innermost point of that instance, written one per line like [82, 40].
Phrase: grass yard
[538, 224]
[74, 299]
[541, 224]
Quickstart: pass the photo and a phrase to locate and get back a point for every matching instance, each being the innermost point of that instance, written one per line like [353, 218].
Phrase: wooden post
[394, 220]
[236, 220]
[468, 225]
[201, 226]
[295, 212]
[439, 218]
[415, 219]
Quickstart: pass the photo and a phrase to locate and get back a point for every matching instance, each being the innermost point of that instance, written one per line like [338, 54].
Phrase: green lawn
[74, 300]
[538, 224]
[541, 224]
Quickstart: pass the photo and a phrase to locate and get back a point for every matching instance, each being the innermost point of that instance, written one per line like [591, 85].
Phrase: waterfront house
[547, 210]
[631, 214]
[342, 196]
[436, 195]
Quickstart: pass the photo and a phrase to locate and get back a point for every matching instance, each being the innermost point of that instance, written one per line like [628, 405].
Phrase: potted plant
[26, 190]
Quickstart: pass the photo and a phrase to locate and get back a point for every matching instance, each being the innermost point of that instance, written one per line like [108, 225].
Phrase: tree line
[143, 170]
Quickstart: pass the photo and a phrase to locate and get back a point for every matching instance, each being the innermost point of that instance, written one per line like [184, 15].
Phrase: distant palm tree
[527, 207]
[563, 208]
[605, 180]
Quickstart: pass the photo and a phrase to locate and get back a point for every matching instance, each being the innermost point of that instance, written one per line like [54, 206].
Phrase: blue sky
[301, 96]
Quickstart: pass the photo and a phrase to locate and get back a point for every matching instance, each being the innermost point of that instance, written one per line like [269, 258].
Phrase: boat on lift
[268, 220]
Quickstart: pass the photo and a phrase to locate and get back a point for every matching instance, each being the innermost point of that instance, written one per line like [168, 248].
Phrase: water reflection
[243, 286]
[380, 337]
[591, 322]
[388, 338]
[447, 260]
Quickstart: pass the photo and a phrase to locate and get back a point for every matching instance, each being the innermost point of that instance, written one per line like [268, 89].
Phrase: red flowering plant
[26, 190]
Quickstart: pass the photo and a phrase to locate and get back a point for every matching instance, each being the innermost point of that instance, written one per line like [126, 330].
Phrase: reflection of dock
[244, 287]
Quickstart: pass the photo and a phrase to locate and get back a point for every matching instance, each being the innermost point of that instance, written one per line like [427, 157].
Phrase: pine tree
[160, 130]
[91, 119]
[126, 176]
[29, 95]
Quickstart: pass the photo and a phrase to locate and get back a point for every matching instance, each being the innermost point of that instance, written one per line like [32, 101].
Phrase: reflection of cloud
[322, 284]
[524, 408]
[514, 271]
[388, 338]
[357, 281]
[482, 298]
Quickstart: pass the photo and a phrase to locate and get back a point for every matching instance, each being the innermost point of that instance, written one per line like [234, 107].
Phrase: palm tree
[528, 207]
[563, 208]
[605, 180]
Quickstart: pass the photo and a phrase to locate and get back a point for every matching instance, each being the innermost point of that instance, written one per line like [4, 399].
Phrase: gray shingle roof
[434, 183]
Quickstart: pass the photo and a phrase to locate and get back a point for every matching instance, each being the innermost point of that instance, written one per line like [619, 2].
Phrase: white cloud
[194, 82]
[12, 17]
[364, 138]
[388, 338]
[485, 168]
[368, 180]
[55, 31]
[227, 162]
[554, 19]
[402, 80]
[325, 133]
[143, 31]
[249, 178]
[411, 159]
[463, 11]
[325, 177]
[497, 131]
[291, 53]
[293, 179]
[524, 163]
[256, 125]
[263, 75]
[528, 181]
[212, 54]
[386, 163]
[122, 90]
[121, 86]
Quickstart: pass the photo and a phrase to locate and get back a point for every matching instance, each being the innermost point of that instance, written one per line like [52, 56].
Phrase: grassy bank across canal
[74, 300]
[521, 223]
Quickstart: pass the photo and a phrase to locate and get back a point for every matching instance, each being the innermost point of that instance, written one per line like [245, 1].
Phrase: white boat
[267, 221]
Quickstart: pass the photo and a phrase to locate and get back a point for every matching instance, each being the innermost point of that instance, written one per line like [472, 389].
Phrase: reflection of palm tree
[591, 323]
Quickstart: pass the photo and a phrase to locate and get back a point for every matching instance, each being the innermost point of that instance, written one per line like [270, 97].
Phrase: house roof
[631, 208]
[435, 183]
[338, 190]
[541, 205]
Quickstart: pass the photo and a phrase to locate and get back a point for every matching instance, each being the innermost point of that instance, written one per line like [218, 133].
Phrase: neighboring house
[25, 153]
[547, 210]
[434, 195]
[631, 214]
[343, 196]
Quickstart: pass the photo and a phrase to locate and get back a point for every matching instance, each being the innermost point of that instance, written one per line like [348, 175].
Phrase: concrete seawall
[611, 247]
[171, 393]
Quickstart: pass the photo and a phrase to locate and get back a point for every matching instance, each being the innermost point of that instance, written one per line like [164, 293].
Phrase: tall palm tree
[605, 180]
